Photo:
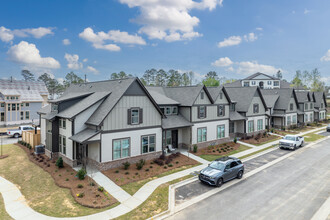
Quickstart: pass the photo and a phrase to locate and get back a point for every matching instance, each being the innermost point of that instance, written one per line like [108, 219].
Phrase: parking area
[324, 133]
[5, 139]
[196, 188]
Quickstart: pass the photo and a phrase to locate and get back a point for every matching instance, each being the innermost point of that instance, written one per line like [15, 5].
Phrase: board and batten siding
[292, 101]
[185, 112]
[80, 119]
[204, 101]
[43, 131]
[262, 110]
[221, 101]
[67, 132]
[117, 119]
[211, 113]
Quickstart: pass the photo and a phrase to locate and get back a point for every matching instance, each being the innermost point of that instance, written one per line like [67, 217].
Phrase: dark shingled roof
[318, 96]
[84, 135]
[260, 74]
[235, 116]
[302, 96]
[158, 94]
[284, 96]
[175, 121]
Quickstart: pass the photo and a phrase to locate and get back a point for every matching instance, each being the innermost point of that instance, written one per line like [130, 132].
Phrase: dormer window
[253, 83]
[54, 107]
[220, 95]
[291, 106]
[311, 106]
[202, 112]
[174, 110]
[269, 83]
[256, 108]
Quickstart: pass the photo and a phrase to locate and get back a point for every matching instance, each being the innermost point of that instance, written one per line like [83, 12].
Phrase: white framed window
[27, 115]
[174, 110]
[13, 107]
[260, 124]
[2, 105]
[64, 123]
[221, 110]
[288, 120]
[27, 104]
[255, 108]
[311, 105]
[121, 148]
[202, 111]
[306, 106]
[220, 131]
[168, 137]
[148, 143]
[168, 111]
[294, 119]
[276, 83]
[250, 126]
[201, 135]
[246, 84]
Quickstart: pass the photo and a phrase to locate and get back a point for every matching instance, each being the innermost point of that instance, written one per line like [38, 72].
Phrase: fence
[31, 138]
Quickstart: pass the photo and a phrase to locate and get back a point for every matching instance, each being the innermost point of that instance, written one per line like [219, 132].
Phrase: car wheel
[295, 147]
[301, 144]
[240, 175]
[219, 182]
[16, 135]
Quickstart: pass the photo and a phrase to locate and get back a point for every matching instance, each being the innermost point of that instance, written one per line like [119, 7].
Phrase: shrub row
[25, 144]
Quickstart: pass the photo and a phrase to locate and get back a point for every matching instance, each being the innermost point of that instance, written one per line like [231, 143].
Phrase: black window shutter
[198, 112]
[140, 116]
[205, 111]
[223, 110]
[218, 111]
[129, 116]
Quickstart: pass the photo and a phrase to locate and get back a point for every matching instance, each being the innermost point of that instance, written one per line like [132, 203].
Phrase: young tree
[161, 78]
[114, 76]
[27, 75]
[212, 74]
[297, 80]
[316, 84]
[53, 86]
[175, 78]
[279, 74]
[72, 78]
[120, 75]
[185, 79]
[211, 82]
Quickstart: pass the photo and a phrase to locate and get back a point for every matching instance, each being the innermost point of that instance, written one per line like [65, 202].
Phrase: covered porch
[278, 121]
[237, 125]
[176, 133]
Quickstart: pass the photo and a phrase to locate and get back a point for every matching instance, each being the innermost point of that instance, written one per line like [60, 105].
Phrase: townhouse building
[282, 107]
[306, 107]
[20, 101]
[320, 106]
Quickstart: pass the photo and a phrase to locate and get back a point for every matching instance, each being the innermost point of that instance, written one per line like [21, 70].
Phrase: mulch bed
[151, 168]
[66, 177]
[259, 139]
[4, 156]
[221, 149]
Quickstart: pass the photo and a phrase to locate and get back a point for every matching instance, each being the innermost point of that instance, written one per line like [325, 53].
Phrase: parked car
[291, 142]
[328, 128]
[18, 132]
[222, 170]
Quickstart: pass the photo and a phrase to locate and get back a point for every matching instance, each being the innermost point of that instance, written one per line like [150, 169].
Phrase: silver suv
[222, 170]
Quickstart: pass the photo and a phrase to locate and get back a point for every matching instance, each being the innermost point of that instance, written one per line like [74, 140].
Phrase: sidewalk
[14, 200]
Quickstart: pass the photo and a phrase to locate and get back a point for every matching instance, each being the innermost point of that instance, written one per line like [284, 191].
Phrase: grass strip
[249, 155]
[3, 214]
[155, 204]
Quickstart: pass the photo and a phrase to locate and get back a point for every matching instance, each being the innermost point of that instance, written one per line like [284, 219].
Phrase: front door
[175, 138]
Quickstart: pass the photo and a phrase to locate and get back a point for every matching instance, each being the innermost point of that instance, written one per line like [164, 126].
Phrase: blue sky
[234, 38]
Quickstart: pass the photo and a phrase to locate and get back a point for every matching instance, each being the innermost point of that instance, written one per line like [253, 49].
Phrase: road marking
[323, 212]
[174, 209]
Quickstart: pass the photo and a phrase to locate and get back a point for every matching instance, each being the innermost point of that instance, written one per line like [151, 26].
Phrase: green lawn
[211, 157]
[266, 142]
[310, 137]
[249, 155]
[38, 187]
[133, 187]
[3, 214]
[155, 204]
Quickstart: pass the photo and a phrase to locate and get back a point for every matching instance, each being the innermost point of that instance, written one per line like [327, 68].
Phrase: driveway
[295, 188]
[8, 140]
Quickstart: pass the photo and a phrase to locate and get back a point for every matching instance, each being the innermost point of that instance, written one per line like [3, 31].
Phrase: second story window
[135, 116]
[8, 107]
[291, 106]
[64, 123]
[311, 105]
[276, 83]
[221, 110]
[174, 110]
[13, 107]
[168, 111]
[256, 108]
[2, 105]
[27, 104]
[306, 107]
[202, 112]
[232, 107]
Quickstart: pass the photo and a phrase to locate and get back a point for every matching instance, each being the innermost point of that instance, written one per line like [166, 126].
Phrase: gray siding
[185, 112]
[256, 100]
[117, 119]
[221, 101]
[292, 100]
[205, 101]
[80, 119]
[211, 113]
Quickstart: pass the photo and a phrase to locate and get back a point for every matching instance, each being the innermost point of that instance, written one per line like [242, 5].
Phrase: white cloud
[28, 54]
[92, 69]
[7, 35]
[169, 20]
[230, 69]
[73, 61]
[250, 37]
[326, 57]
[247, 67]
[259, 28]
[85, 60]
[66, 42]
[98, 39]
[224, 61]
[306, 11]
[231, 41]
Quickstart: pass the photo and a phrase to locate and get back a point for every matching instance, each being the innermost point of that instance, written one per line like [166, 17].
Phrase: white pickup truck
[291, 142]
[18, 132]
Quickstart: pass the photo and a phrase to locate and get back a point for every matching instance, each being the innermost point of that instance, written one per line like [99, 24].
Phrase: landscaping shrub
[81, 174]
[140, 164]
[147, 170]
[80, 195]
[126, 165]
[177, 162]
[165, 167]
[159, 162]
[127, 173]
[272, 130]
[117, 171]
[150, 167]
[170, 165]
[92, 184]
[80, 186]
[100, 188]
[235, 140]
[168, 160]
[66, 179]
[195, 148]
[177, 154]
[162, 157]
[59, 162]
[213, 151]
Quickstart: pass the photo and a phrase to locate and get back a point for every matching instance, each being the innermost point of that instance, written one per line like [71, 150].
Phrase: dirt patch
[150, 169]
[259, 139]
[4, 156]
[88, 195]
[221, 149]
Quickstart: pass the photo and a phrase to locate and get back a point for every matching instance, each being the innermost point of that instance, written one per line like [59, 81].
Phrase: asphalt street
[294, 188]
[8, 140]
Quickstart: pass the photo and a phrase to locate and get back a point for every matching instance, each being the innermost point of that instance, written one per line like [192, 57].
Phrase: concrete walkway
[246, 144]
[16, 205]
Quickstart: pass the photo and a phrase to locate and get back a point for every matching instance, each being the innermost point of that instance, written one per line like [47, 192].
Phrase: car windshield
[290, 138]
[217, 165]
